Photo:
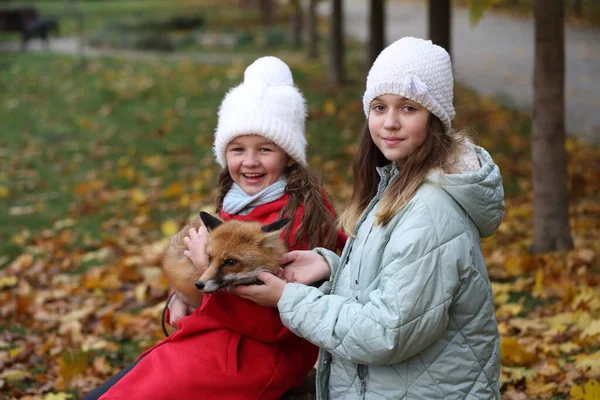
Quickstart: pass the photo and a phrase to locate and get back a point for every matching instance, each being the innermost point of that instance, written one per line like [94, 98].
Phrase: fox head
[237, 251]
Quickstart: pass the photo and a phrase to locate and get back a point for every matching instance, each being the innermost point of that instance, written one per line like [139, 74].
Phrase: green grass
[69, 124]
[78, 137]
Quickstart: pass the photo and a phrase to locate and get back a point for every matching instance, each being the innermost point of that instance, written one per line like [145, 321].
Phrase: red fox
[237, 251]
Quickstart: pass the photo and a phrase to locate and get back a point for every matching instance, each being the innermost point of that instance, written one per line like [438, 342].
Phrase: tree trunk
[578, 8]
[266, 11]
[297, 24]
[376, 30]
[550, 198]
[440, 17]
[336, 65]
[313, 35]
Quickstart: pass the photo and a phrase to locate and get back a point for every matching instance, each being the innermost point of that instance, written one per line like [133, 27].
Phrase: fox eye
[229, 262]
[209, 259]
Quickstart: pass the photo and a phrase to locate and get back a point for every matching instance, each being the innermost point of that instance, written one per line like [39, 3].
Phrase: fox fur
[237, 251]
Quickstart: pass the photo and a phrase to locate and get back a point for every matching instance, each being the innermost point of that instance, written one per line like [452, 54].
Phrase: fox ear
[209, 221]
[276, 226]
[271, 239]
[272, 231]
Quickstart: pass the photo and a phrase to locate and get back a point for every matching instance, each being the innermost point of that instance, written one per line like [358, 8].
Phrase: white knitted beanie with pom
[418, 70]
[267, 104]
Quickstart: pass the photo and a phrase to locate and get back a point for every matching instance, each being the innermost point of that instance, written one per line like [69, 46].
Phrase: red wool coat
[229, 348]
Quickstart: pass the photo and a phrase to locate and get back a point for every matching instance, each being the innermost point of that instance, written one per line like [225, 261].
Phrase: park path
[68, 45]
[496, 56]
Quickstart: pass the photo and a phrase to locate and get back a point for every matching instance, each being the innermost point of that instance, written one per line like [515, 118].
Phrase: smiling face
[255, 163]
[398, 126]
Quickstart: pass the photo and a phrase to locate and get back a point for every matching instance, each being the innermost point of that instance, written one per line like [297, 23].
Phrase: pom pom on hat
[418, 70]
[269, 70]
[268, 104]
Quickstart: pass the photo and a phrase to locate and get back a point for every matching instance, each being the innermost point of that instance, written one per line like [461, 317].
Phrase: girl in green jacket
[407, 311]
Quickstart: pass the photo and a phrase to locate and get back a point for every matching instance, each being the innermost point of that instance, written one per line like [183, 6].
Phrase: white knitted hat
[268, 104]
[418, 70]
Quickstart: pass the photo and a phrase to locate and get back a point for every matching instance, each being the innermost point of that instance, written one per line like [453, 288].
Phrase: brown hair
[437, 152]
[304, 185]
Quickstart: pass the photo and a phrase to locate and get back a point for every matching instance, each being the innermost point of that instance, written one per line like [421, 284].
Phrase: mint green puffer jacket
[409, 313]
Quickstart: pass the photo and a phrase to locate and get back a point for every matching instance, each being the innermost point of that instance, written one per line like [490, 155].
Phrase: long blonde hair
[437, 152]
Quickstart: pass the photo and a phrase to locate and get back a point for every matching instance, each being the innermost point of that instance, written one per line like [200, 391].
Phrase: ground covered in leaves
[102, 161]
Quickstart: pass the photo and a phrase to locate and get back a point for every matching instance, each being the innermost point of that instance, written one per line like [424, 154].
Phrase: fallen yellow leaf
[138, 196]
[169, 228]
[513, 354]
[569, 347]
[14, 374]
[588, 360]
[590, 391]
[592, 330]
[140, 292]
[174, 190]
[7, 281]
[58, 396]
[329, 107]
[518, 264]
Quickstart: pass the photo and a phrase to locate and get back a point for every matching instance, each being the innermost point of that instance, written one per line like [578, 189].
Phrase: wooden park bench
[26, 21]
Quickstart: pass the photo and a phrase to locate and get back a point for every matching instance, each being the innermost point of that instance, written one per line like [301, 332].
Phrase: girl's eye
[408, 109]
[378, 108]
[265, 149]
[236, 149]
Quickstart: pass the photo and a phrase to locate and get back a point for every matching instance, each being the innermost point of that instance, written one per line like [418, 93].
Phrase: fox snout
[208, 287]
[223, 280]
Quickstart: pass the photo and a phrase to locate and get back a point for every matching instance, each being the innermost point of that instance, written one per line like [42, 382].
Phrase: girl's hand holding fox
[304, 267]
[196, 244]
[196, 253]
[266, 295]
[177, 310]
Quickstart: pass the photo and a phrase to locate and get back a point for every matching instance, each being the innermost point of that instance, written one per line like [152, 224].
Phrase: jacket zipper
[362, 375]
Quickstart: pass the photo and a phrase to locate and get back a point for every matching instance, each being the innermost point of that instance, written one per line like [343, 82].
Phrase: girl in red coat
[229, 347]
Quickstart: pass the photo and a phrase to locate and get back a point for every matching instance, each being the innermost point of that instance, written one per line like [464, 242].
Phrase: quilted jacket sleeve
[406, 312]
[333, 260]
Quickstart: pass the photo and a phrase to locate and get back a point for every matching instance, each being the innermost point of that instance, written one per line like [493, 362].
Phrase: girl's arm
[406, 313]
[332, 258]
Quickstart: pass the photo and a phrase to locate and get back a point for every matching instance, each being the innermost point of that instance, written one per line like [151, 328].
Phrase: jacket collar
[387, 173]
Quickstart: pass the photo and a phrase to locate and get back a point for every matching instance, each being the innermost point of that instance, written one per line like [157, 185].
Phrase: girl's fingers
[288, 257]
[203, 232]
[193, 232]
[280, 273]
[289, 275]
[267, 278]
[187, 241]
[188, 254]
